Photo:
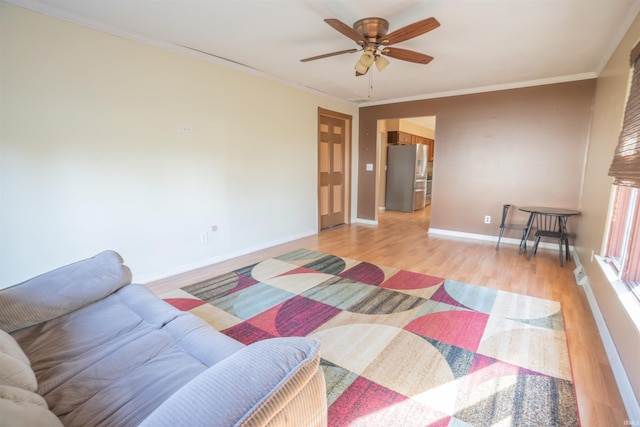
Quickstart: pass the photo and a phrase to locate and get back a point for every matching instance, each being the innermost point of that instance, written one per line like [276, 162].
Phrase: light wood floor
[401, 240]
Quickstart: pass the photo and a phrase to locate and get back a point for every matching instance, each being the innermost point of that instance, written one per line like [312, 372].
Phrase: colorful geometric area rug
[401, 348]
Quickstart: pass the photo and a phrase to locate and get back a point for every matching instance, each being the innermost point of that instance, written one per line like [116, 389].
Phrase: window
[623, 239]
[623, 242]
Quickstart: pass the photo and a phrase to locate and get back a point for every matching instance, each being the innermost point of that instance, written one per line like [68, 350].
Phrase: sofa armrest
[62, 291]
[251, 388]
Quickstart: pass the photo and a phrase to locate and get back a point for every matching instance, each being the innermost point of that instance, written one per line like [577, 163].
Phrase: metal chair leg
[561, 256]
[534, 248]
[523, 243]
[499, 237]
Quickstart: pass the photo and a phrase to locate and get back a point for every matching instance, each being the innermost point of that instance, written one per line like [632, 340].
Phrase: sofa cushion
[281, 384]
[116, 360]
[22, 408]
[16, 368]
[61, 291]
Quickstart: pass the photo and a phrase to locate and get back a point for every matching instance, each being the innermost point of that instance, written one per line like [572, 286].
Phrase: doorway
[334, 172]
[411, 130]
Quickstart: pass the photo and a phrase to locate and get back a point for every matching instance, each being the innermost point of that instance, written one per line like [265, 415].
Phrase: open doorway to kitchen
[405, 175]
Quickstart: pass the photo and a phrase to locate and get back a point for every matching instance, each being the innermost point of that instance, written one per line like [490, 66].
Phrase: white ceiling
[481, 44]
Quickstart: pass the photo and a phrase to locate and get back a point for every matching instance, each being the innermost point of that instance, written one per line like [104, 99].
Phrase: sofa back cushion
[62, 291]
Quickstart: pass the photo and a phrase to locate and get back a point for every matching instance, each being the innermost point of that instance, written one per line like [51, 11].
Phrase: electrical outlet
[204, 237]
[487, 219]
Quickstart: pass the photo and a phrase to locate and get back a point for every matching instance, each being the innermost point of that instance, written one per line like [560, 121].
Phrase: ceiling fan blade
[326, 55]
[410, 31]
[406, 55]
[346, 30]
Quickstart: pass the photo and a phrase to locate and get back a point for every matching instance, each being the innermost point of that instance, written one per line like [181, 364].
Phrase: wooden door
[332, 176]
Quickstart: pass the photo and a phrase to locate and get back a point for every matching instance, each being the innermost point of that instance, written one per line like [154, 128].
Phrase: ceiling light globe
[381, 62]
[367, 59]
[361, 68]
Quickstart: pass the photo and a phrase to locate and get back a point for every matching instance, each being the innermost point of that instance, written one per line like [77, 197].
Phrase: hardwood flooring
[401, 240]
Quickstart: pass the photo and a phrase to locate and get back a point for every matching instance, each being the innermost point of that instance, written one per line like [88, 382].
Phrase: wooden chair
[551, 226]
[511, 226]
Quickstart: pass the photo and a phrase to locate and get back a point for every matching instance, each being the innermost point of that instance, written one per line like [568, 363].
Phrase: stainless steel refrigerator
[406, 177]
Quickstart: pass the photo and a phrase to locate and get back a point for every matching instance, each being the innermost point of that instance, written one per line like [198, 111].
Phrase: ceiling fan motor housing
[372, 28]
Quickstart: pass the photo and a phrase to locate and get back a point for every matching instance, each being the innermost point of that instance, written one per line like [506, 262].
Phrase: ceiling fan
[371, 35]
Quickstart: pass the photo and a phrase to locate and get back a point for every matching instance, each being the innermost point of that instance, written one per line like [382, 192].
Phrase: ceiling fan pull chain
[370, 86]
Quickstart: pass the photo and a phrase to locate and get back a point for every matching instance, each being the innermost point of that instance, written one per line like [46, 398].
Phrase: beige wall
[608, 111]
[91, 157]
[521, 146]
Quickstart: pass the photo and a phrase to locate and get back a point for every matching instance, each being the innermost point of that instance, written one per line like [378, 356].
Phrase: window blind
[625, 167]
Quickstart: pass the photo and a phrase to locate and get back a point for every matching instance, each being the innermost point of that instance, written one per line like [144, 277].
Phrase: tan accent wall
[521, 146]
[608, 111]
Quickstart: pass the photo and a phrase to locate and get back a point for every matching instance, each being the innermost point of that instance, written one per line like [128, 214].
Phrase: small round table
[562, 213]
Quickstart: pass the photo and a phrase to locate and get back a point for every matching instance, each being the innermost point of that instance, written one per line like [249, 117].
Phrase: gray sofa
[81, 346]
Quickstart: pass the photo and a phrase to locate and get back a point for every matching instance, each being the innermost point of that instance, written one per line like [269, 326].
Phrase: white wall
[92, 157]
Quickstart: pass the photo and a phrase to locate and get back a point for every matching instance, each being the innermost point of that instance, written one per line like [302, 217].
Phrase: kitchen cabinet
[432, 144]
[398, 137]
[415, 139]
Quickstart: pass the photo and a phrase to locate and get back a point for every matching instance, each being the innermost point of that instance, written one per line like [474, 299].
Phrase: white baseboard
[152, 277]
[624, 385]
[472, 236]
[366, 221]
[629, 399]
[488, 238]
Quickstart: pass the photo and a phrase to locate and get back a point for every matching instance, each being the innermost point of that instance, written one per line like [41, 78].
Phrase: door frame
[348, 121]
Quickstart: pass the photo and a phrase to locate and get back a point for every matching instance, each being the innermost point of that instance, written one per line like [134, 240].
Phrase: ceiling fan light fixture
[361, 69]
[365, 61]
[381, 62]
[367, 58]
